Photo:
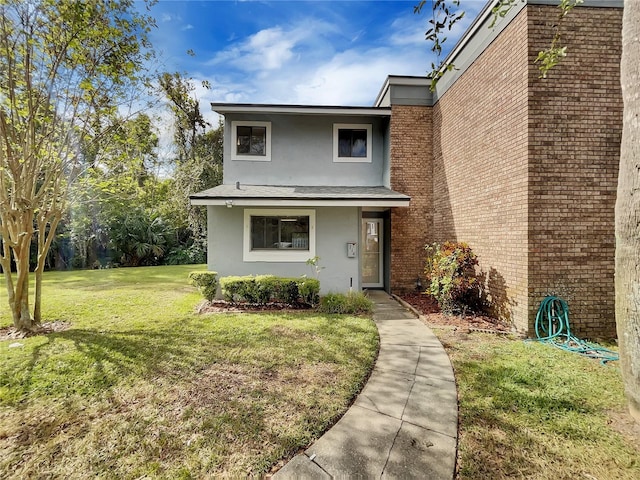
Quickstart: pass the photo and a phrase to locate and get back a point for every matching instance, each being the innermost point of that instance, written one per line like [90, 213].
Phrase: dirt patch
[623, 423]
[10, 333]
[428, 307]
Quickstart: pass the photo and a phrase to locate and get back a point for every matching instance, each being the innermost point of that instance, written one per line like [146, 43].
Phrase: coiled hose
[552, 327]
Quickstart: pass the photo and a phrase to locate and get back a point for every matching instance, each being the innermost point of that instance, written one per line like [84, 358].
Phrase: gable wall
[575, 120]
[480, 168]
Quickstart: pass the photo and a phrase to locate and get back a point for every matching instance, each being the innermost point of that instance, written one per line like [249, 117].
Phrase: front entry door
[372, 253]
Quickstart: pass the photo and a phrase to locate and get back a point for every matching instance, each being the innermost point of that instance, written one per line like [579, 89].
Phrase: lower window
[279, 235]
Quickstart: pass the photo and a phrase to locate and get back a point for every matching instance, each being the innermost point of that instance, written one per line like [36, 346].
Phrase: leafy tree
[627, 212]
[116, 174]
[188, 120]
[444, 17]
[202, 171]
[198, 153]
[65, 68]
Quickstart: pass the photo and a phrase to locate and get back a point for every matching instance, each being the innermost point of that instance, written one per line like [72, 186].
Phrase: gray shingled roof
[254, 192]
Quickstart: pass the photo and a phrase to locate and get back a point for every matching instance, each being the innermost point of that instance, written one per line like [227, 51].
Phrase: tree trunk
[44, 244]
[627, 276]
[22, 318]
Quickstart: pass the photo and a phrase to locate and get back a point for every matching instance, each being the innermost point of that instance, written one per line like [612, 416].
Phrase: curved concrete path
[404, 423]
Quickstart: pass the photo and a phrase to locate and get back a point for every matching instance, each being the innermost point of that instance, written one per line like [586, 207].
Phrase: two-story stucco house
[301, 182]
[523, 169]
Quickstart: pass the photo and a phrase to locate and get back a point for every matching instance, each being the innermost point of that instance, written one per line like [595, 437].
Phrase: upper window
[251, 141]
[279, 235]
[351, 142]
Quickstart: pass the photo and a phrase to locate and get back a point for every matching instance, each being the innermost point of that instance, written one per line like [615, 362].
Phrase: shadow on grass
[97, 361]
[513, 419]
[88, 362]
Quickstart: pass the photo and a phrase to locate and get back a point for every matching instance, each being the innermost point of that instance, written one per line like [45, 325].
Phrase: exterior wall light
[228, 203]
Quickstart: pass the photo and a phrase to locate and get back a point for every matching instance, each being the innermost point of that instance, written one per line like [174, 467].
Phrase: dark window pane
[359, 143]
[344, 143]
[243, 140]
[269, 233]
[352, 143]
[251, 140]
[264, 232]
[258, 140]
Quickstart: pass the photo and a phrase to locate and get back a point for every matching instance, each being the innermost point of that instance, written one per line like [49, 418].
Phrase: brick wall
[575, 120]
[480, 168]
[523, 169]
[411, 156]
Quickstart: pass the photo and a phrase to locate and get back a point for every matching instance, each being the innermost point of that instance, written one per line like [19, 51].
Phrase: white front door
[372, 253]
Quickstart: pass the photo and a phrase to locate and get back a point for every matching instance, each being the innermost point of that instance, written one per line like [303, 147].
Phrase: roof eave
[224, 108]
[302, 202]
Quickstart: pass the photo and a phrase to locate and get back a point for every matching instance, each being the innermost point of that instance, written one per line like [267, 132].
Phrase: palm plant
[139, 237]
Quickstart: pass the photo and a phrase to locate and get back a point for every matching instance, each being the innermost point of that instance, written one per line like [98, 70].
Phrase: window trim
[351, 126]
[283, 255]
[234, 140]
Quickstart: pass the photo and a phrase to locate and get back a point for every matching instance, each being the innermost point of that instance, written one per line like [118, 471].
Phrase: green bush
[350, 303]
[309, 290]
[236, 288]
[450, 274]
[269, 288]
[207, 283]
[183, 255]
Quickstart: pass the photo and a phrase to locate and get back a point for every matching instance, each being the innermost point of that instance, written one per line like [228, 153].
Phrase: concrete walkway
[404, 423]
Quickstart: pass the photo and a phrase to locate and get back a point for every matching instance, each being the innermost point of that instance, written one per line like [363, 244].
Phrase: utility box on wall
[352, 249]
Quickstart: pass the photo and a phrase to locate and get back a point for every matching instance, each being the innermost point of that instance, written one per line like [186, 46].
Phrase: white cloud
[303, 64]
[266, 50]
[407, 31]
[167, 17]
[272, 48]
[355, 77]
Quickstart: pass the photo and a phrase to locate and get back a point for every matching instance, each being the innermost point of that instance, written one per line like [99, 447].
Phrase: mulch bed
[10, 333]
[428, 307]
[222, 306]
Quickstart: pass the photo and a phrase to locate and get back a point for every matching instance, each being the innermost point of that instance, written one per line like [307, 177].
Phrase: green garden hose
[552, 327]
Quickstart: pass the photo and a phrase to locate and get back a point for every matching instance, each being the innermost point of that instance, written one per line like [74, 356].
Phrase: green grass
[528, 410]
[141, 386]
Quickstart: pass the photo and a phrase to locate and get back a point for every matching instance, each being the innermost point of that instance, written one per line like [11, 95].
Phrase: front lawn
[141, 386]
[528, 410]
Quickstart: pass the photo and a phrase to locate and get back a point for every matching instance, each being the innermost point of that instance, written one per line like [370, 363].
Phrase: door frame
[381, 250]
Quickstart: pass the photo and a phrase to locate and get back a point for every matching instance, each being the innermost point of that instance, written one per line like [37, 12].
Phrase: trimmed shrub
[350, 303]
[269, 288]
[207, 283]
[309, 290]
[237, 288]
[450, 273]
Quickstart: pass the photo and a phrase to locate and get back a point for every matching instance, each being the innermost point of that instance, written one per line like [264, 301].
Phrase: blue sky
[294, 52]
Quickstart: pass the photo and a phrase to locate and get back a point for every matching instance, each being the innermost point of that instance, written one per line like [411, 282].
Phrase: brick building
[523, 169]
